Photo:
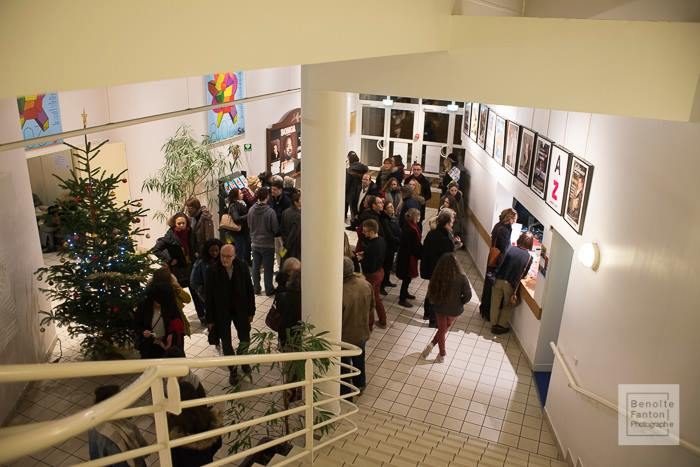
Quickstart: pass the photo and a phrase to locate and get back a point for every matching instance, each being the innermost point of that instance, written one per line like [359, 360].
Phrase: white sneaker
[439, 359]
[427, 350]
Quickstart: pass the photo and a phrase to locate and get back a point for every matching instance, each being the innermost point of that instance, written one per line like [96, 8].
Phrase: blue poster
[228, 121]
[39, 115]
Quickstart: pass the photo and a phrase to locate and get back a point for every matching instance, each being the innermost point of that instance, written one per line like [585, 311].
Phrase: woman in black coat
[410, 251]
[436, 243]
[392, 237]
[176, 248]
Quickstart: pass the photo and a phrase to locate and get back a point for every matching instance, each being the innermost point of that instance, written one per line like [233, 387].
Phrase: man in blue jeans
[263, 226]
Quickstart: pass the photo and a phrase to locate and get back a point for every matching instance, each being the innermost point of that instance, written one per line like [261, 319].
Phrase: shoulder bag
[273, 320]
[227, 223]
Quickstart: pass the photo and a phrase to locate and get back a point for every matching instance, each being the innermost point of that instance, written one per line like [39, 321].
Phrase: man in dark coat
[436, 243]
[353, 175]
[290, 228]
[423, 183]
[230, 298]
[375, 207]
[366, 188]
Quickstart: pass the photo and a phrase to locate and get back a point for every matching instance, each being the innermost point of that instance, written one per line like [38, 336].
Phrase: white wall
[28, 344]
[633, 321]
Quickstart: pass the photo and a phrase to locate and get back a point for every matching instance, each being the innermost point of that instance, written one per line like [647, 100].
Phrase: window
[372, 121]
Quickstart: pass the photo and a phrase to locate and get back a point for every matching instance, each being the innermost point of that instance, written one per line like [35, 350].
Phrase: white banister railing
[22, 440]
[573, 384]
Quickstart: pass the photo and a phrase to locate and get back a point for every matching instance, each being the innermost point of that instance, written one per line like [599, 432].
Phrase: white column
[323, 168]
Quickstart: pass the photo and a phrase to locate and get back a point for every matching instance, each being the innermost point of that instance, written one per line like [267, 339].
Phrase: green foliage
[100, 276]
[301, 338]
[190, 170]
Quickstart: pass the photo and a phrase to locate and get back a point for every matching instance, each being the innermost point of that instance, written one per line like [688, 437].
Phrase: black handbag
[273, 320]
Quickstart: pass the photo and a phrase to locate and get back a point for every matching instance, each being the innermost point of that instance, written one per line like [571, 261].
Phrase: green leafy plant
[301, 338]
[100, 277]
[189, 170]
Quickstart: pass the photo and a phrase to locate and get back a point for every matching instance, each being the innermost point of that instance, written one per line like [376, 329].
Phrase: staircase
[383, 439]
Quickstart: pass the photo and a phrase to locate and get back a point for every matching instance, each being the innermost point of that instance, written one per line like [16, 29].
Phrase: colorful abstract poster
[228, 121]
[39, 115]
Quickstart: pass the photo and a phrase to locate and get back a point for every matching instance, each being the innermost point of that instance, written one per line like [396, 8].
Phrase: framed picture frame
[540, 165]
[525, 152]
[490, 132]
[578, 189]
[483, 122]
[499, 143]
[558, 176]
[467, 118]
[474, 121]
[510, 154]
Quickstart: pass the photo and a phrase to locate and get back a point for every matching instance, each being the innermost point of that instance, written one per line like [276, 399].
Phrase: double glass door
[420, 130]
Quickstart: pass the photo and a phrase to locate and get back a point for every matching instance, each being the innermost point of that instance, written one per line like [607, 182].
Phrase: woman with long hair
[448, 291]
[176, 248]
[158, 321]
[391, 191]
[190, 422]
[238, 210]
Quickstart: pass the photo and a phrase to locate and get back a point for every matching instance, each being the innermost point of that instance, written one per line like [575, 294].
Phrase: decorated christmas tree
[101, 276]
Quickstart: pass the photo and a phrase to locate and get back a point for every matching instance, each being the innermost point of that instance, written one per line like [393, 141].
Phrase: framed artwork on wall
[474, 121]
[227, 121]
[467, 118]
[499, 143]
[490, 132]
[510, 154]
[540, 167]
[483, 121]
[578, 189]
[39, 115]
[558, 173]
[525, 151]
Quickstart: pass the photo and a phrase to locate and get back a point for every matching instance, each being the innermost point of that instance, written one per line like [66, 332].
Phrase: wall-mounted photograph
[491, 132]
[578, 188]
[474, 121]
[527, 144]
[510, 155]
[556, 184]
[543, 150]
[499, 142]
[483, 121]
[467, 118]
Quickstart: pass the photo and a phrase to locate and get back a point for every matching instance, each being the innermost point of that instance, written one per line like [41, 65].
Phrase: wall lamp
[452, 107]
[388, 102]
[589, 255]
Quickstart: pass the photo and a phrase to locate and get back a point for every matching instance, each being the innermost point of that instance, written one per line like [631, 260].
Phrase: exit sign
[247, 147]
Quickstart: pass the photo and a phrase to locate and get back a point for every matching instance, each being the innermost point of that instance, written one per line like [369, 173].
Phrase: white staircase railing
[23, 440]
[573, 384]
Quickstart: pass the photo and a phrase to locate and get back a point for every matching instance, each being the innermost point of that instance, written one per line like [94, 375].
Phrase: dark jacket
[373, 258]
[229, 299]
[168, 248]
[500, 238]
[463, 183]
[198, 453]
[424, 185]
[353, 178]
[290, 229]
[366, 215]
[383, 177]
[288, 303]
[263, 225]
[358, 197]
[459, 293]
[410, 251]
[436, 243]
[515, 265]
[279, 205]
[202, 229]
[392, 231]
[408, 203]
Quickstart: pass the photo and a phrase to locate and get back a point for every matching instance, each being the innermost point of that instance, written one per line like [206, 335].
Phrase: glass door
[373, 122]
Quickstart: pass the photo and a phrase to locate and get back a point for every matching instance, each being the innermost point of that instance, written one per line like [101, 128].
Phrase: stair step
[343, 455]
[365, 461]
[327, 461]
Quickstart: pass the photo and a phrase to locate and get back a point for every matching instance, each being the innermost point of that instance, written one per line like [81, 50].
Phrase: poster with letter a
[556, 185]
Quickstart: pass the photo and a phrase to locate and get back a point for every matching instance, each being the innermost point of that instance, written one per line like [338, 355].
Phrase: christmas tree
[101, 277]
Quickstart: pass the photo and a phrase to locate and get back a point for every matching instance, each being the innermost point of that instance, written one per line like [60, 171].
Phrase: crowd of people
[262, 226]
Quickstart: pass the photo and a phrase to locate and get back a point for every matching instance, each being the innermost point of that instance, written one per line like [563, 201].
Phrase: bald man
[230, 299]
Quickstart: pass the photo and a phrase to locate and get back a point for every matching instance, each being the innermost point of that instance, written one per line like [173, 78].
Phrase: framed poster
[578, 189]
[510, 155]
[467, 118]
[499, 143]
[229, 121]
[474, 121]
[483, 121]
[543, 150]
[525, 151]
[284, 143]
[558, 172]
[490, 132]
[39, 115]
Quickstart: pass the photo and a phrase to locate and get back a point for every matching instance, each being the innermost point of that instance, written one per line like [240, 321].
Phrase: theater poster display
[510, 157]
[490, 132]
[284, 144]
[527, 143]
[499, 139]
[467, 118]
[578, 189]
[474, 121]
[556, 184]
[543, 149]
[483, 121]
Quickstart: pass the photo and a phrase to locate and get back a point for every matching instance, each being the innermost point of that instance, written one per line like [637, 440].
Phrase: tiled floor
[483, 389]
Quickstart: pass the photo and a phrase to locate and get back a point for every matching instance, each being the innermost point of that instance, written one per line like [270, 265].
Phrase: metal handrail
[573, 384]
[18, 441]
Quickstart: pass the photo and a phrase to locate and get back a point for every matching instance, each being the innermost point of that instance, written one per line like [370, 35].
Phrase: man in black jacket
[372, 260]
[352, 179]
[230, 298]
[436, 243]
[290, 228]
